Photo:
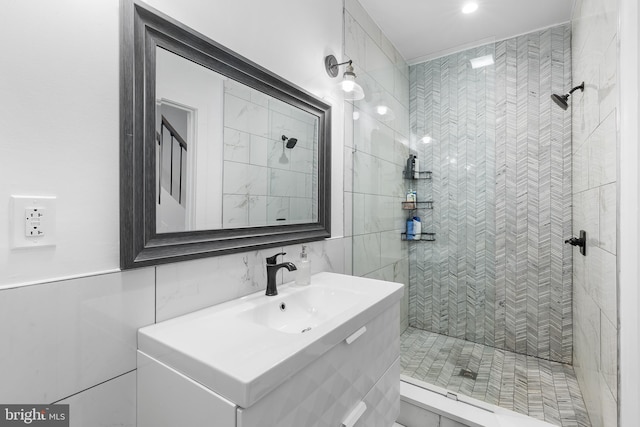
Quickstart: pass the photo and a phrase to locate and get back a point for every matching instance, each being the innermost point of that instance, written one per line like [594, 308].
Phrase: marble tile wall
[498, 272]
[376, 150]
[265, 183]
[594, 47]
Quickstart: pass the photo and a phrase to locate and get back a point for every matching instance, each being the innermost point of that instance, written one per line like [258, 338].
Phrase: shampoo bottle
[409, 171]
[410, 234]
[417, 228]
[303, 277]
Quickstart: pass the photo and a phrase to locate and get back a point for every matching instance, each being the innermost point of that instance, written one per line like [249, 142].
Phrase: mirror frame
[142, 30]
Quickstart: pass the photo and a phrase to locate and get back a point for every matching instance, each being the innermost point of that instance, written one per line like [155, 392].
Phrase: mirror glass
[217, 154]
[228, 155]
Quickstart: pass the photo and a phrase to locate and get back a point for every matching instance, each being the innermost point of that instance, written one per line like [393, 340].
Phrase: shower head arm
[581, 87]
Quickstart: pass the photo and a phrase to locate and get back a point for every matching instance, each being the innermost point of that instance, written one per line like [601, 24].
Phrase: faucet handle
[273, 260]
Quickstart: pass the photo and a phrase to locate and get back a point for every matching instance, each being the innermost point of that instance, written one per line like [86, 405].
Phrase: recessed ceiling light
[470, 7]
[481, 61]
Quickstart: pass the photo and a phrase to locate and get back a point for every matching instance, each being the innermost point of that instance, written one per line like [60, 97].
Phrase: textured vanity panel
[167, 398]
[383, 400]
[323, 393]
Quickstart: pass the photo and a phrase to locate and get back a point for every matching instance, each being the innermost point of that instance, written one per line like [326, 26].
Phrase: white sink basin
[245, 348]
[296, 311]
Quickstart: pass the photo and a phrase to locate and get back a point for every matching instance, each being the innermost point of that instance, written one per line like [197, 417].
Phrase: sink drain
[283, 306]
[306, 330]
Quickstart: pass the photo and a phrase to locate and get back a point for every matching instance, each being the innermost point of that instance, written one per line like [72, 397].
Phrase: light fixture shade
[351, 90]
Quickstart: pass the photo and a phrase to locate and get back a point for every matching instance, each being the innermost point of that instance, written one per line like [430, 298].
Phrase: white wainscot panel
[109, 404]
[71, 335]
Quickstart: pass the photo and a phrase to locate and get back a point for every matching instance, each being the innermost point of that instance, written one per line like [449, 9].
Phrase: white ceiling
[427, 29]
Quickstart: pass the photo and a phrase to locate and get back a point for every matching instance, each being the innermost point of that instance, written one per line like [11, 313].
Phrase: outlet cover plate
[47, 223]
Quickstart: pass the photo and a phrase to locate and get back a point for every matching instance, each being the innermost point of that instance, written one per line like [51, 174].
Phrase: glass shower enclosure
[488, 298]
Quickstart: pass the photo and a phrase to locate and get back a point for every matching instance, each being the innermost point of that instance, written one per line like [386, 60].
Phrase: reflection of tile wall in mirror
[300, 209]
[245, 116]
[257, 209]
[235, 212]
[237, 145]
[277, 210]
[244, 179]
[254, 158]
[253, 136]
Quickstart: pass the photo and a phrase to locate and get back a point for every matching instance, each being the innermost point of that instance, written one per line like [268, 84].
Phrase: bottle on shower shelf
[409, 171]
[417, 228]
[410, 233]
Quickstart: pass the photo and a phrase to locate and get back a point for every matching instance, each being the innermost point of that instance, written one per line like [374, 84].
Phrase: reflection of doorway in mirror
[175, 151]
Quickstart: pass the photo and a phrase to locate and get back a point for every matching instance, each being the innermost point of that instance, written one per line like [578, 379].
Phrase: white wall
[60, 132]
[60, 82]
[60, 106]
[629, 213]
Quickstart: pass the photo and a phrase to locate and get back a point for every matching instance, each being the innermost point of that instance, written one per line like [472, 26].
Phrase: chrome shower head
[563, 100]
[291, 142]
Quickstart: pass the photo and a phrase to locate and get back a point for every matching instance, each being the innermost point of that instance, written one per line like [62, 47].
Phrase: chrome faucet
[272, 270]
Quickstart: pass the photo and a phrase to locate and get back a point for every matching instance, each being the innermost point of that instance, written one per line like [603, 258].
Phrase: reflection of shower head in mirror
[291, 142]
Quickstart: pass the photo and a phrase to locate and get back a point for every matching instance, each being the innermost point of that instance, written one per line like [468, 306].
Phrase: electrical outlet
[34, 221]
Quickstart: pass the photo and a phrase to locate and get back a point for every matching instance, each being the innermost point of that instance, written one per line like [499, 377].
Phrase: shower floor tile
[536, 387]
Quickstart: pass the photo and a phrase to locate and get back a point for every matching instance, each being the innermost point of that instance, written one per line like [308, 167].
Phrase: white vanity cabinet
[327, 390]
[353, 381]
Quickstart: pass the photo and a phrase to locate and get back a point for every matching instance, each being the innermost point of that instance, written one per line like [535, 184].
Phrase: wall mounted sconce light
[352, 90]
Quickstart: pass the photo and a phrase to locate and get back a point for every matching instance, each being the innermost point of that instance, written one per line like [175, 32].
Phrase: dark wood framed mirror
[217, 154]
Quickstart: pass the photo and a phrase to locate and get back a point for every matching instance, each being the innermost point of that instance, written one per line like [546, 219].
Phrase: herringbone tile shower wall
[499, 272]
